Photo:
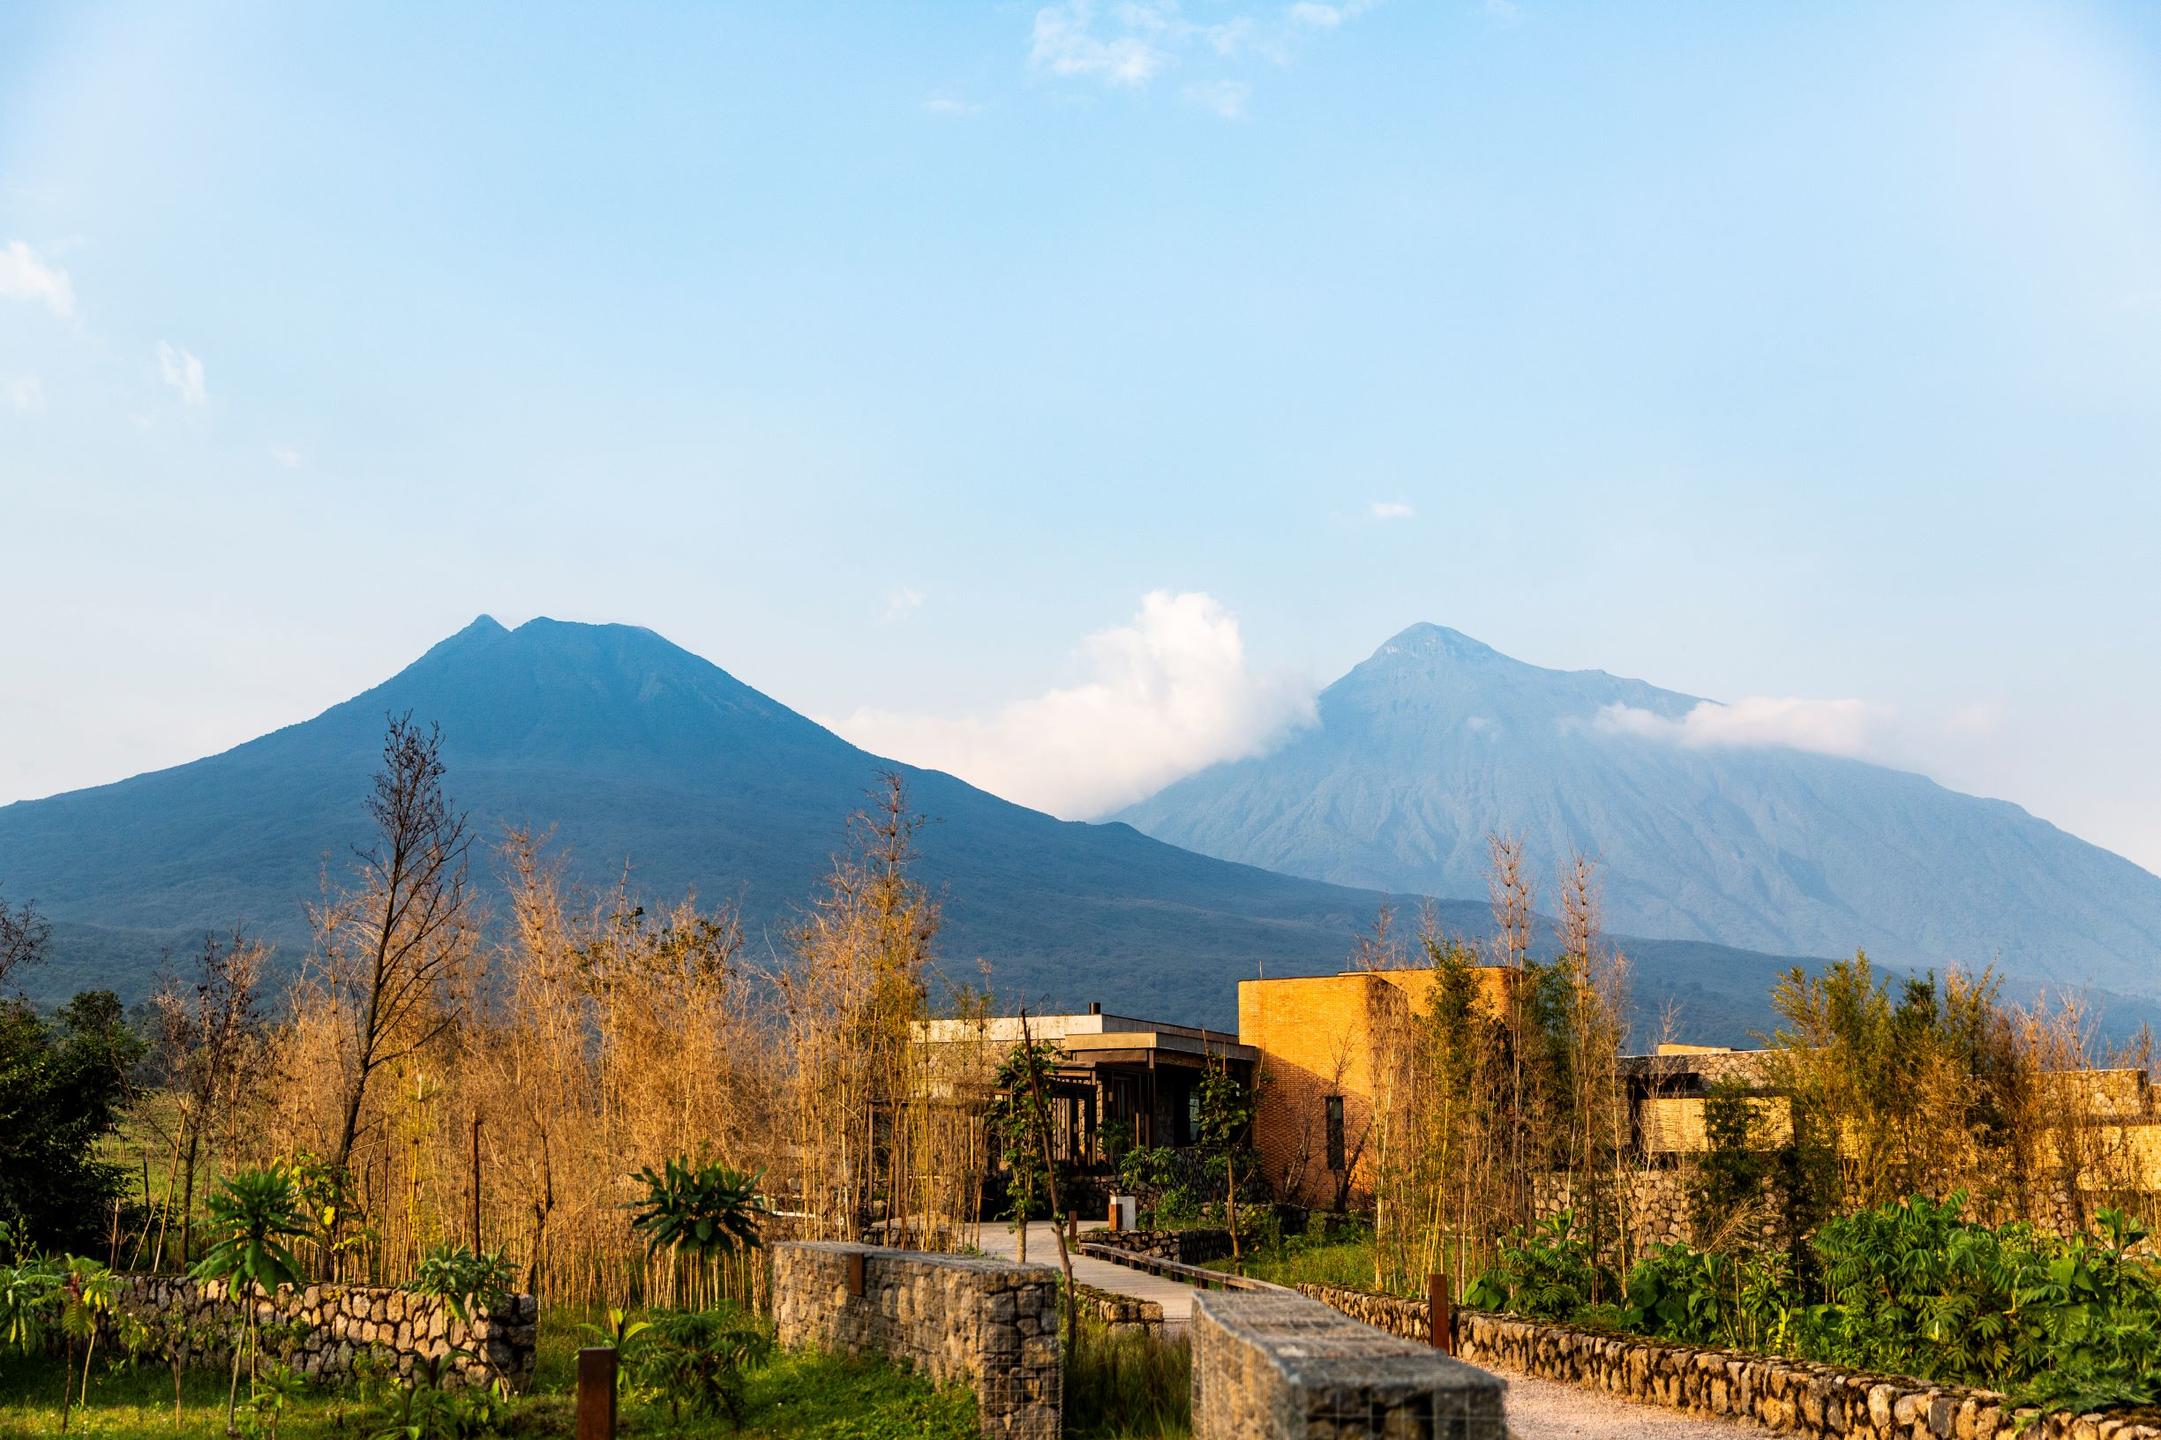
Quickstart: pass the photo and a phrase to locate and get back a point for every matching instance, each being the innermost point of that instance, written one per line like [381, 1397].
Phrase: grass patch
[1346, 1261]
[795, 1397]
[1127, 1384]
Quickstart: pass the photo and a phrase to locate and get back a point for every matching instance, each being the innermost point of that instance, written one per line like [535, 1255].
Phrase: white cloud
[1225, 98]
[1390, 510]
[23, 276]
[25, 394]
[285, 455]
[1127, 44]
[1853, 728]
[1065, 42]
[1165, 695]
[184, 372]
[947, 105]
[900, 602]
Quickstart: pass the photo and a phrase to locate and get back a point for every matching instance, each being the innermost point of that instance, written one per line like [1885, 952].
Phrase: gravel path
[1550, 1410]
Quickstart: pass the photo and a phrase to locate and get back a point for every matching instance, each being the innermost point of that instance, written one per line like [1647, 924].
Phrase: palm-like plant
[257, 1212]
[708, 1210]
[87, 1290]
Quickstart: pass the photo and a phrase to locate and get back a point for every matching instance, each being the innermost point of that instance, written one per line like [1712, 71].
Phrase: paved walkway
[1537, 1409]
[1552, 1410]
[1174, 1296]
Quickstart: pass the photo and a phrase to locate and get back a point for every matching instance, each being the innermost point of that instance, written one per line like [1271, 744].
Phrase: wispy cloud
[900, 602]
[1390, 510]
[1129, 44]
[1065, 43]
[1226, 98]
[25, 276]
[1165, 694]
[285, 455]
[183, 371]
[25, 394]
[1852, 728]
[952, 107]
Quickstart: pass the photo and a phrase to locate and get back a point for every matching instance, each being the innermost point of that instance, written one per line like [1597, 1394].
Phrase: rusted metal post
[1114, 1213]
[1440, 1314]
[855, 1272]
[596, 1393]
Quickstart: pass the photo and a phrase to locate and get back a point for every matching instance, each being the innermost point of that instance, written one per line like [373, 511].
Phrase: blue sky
[886, 353]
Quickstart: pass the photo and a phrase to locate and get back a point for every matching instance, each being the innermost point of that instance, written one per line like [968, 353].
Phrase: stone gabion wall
[1118, 1310]
[1789, 1395]
[983, 1323]
[1187, 1247]
[1270, 1365]
[346, 1321]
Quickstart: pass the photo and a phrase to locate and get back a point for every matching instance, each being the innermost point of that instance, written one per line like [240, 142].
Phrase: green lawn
[1346, 1262]
[796, 1397]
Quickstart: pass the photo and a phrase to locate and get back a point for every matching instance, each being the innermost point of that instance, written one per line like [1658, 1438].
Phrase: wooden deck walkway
[1175, 1298]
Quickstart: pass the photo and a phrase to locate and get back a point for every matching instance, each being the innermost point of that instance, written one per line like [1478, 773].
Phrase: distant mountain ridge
[640, 752]
[1437, 740]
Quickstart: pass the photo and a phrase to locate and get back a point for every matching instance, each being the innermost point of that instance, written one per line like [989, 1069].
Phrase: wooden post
[855, 1272]
[1114, 1214]
[596, 1393]
[476, 1182]
[1440, 1314]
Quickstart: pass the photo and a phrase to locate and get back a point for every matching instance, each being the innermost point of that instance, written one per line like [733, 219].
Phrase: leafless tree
[210, 1038]
[390, 947]
[23, 936]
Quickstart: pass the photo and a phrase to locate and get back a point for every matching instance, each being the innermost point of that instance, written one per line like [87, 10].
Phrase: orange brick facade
[1319, 1040]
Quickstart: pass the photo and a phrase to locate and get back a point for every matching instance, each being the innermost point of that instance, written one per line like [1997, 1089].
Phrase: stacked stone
[1790, 1395]
[1278, 1366]
[1117, 1310]
[1187, 1247]
[957, 1320]
[343, 1322]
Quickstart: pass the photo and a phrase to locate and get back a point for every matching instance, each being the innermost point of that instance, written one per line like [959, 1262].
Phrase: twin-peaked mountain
[1437, 740]
[639, 753]
[643, 755]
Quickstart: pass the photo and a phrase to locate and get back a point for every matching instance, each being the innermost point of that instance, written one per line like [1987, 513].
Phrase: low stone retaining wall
[1186, 1247]
[1128, 1311]
[1790, 1395]
[983, 1323]
[1279, 1366]
[344, 1322]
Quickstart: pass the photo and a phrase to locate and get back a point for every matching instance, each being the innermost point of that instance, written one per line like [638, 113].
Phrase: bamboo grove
[1504, 1102]
[433, 1076]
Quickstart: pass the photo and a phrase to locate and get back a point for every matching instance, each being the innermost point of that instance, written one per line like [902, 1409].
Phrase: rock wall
[1118, 1310]
[982, 1323]
[343, 1322]
[1790, 1395]
[1187, 1247]
[1270, 1365]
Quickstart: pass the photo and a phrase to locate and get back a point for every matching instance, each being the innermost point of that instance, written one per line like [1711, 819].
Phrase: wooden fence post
[596, 1393]
[1440, 1314]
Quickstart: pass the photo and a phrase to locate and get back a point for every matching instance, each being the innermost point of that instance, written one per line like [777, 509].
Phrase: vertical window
[1193, 1116]
[1334, 1112]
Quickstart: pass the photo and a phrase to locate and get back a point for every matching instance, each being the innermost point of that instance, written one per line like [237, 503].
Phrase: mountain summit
[641, 754]
[1436, 741]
